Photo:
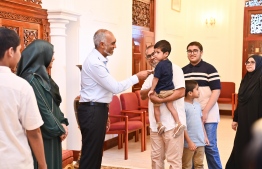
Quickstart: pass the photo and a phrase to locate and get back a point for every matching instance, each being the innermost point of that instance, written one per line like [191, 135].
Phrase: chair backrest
[227, 88]
[115, 109]
[142, 103]
[129, 101]
[76, 104]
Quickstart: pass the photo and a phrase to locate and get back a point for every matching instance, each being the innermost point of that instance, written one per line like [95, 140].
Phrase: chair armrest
[143, 107]
[142, 113]
[121, 117]
[132, 111]
[117, 116]
[233, 97]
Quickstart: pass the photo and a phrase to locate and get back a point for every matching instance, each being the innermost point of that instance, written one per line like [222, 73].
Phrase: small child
[163, 85]
[195, 135]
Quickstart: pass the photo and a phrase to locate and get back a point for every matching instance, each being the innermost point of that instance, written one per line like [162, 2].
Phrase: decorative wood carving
[252, 39]
[34, 1]
[18, 17]
[16, 29]
[251, 47]
[46, 30]
[29, 36]
[141, 13]
[142, 35]
[27, 18]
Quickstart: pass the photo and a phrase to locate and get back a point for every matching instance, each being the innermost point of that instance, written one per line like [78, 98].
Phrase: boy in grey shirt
[195, 135]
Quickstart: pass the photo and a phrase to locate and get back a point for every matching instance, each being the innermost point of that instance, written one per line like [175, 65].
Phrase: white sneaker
[179, 130]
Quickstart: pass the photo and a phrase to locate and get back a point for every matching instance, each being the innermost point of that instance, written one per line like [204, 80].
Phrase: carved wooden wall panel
[142, 34]
[252, 37]
[16, 29]
[29, 36]
[34, 1]
[27, 18]
[141, 13]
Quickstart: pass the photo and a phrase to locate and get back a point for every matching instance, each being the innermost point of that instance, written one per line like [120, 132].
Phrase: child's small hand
[192, 146]
[150, 71]
[206, 141]
[150, 92]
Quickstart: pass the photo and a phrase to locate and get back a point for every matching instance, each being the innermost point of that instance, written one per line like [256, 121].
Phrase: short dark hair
[190, 85]
[195, 43]
[164, 46]
[8, 39]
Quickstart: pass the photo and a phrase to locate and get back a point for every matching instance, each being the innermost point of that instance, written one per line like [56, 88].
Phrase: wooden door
[142, 35]
[141, 40]
[252, 40]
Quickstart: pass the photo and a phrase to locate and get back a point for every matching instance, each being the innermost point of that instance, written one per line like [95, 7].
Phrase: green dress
[36, 57]
[52, 128]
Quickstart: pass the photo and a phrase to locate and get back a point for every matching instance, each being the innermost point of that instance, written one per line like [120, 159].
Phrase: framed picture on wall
[176, 5]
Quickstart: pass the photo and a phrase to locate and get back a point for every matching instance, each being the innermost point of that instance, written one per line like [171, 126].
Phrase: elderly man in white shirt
[97, 89]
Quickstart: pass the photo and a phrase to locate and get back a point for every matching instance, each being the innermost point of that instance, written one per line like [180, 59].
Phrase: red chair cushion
[132, 125]
[224, 100]
[67, 157]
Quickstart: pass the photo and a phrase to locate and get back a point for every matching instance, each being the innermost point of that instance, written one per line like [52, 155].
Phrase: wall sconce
[211, 21]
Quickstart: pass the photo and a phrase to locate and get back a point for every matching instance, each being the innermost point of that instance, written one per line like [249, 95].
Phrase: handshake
[142, 75]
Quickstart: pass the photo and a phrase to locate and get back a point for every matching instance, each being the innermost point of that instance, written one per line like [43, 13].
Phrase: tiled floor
[141, 160]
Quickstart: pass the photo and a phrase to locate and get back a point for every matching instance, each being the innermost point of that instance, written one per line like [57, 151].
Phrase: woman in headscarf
[249, 109]
[35, 60]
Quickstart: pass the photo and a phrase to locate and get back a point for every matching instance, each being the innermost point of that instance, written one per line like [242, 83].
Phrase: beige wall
[114, 15]
[222, 43]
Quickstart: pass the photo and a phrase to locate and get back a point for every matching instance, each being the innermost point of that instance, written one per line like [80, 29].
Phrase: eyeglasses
[150, 55]
[250, 62]
[195, 51]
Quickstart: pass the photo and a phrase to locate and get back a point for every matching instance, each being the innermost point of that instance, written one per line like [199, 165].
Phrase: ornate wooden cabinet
[252, 40]
[26, 18]
[142, 34]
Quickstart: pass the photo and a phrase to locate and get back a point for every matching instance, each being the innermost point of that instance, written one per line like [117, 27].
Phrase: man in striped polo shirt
[209, 86]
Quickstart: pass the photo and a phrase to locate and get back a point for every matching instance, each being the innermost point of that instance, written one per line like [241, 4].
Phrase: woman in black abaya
[249, 109]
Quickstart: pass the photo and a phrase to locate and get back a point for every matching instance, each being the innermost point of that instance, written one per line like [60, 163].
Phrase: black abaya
[249, 109]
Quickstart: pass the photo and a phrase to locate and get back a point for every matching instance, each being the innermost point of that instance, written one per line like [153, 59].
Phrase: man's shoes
[179, 130]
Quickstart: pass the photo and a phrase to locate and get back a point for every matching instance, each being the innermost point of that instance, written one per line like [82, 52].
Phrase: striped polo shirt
[208, 79]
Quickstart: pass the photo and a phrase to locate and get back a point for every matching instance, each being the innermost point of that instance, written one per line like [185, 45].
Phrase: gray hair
[100, 36]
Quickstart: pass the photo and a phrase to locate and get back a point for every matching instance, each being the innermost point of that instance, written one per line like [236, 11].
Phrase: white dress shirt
[18, 112]
[97, 85]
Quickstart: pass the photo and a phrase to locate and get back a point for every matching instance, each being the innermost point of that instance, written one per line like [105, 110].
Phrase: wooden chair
[67, 159]
[227, 94]
[143, 105]
[129, 102]
[76, 104]
[121, 125]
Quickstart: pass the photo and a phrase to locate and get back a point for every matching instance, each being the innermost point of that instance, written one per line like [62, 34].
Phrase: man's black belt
[94, 104]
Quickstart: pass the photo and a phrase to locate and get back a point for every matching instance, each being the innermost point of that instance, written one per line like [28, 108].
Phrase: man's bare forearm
[36, 142]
